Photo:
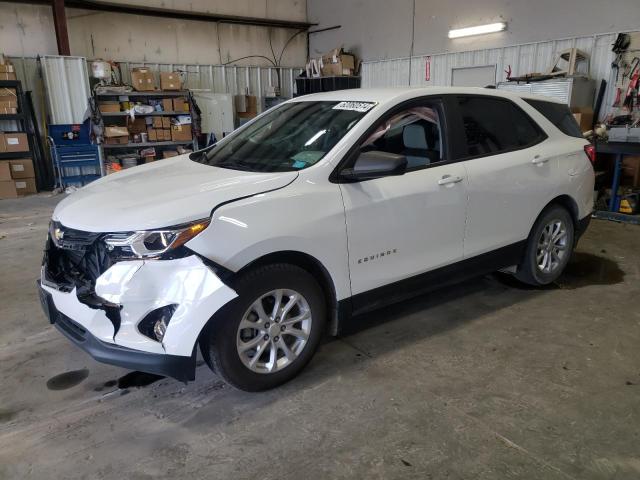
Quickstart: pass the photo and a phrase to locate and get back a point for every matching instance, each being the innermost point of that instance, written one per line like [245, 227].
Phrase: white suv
[325, 207]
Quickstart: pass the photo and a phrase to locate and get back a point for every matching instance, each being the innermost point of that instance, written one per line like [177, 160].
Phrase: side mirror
[375, 164]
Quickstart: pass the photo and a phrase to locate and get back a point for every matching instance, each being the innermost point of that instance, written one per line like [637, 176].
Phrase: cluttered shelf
[146, 144]
[126, 114]
[155, 93]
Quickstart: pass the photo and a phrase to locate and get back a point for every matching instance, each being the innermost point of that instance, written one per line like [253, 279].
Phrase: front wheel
[549, 247]
[269, 333]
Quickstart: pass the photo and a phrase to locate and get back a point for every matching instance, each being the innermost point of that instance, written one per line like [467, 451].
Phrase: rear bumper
[176, 366]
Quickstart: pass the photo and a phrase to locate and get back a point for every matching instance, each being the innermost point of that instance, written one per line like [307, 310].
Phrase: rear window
[494, 125]
[559, 115]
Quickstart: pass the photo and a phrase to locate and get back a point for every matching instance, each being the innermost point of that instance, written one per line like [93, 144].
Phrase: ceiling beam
[175, 14]
[60, 25]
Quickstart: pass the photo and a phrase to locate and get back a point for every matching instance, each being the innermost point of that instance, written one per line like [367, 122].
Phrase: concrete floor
[485, 380]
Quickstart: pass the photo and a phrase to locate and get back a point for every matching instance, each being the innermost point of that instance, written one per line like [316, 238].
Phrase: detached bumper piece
[176, 366]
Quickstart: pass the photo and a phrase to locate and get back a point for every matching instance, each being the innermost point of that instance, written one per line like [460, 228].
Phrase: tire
[230, 350]
[544, 261]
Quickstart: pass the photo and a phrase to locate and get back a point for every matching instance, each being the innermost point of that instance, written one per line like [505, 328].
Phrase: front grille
[71, 239]
[71, 328]
[74, 258]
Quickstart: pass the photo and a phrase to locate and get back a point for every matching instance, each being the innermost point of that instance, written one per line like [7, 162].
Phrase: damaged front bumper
[131, 291]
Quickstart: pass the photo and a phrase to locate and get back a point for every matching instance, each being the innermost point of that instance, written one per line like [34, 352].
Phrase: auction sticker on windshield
[355, 106]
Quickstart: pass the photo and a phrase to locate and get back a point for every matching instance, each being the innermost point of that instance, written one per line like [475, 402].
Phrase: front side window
[493, 125]
[415, 133]
[290, 137]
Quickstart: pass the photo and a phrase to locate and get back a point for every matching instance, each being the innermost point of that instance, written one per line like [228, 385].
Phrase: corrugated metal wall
[526, 58]
[231, 79]
[217, 78]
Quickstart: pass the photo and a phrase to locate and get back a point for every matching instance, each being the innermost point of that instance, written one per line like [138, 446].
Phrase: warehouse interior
[487, 378]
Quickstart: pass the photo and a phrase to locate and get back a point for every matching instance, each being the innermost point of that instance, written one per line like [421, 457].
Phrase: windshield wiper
[234, 165]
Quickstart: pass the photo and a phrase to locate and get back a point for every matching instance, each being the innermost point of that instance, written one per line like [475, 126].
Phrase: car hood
[161, 194]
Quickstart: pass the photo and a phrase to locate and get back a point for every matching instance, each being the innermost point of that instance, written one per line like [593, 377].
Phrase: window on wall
[415, 133]
[495, 125]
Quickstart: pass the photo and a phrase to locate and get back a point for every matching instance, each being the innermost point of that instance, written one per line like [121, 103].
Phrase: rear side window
[559, 115]
[494, 125]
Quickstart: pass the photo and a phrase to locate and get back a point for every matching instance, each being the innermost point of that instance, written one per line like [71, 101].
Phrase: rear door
[508, 168]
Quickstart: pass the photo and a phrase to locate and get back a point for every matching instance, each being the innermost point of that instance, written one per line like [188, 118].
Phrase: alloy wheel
[274, 331]
[552, 246]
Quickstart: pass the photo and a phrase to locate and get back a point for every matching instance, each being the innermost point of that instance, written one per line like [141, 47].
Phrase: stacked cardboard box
[116, 135]
[17, 178]
[142, 79]
[8, 101]
[246, 106]
[7, 71]
[13, 142]
[170, 81]
[335, 63]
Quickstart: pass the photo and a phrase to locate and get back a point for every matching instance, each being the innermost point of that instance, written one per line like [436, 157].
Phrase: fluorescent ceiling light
[479, 30]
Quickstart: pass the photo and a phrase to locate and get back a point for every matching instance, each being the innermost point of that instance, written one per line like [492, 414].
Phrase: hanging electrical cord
[277, 59]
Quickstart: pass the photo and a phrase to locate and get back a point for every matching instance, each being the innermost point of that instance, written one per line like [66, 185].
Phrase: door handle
[538, 160]
[448, 179]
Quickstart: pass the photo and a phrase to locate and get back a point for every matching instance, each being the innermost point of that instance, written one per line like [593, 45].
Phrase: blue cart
[76, 161]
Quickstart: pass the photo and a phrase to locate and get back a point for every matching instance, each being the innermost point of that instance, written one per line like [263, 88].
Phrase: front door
[401, 226]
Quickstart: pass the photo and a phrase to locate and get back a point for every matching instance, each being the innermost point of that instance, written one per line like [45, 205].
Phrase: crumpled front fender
[142, 286]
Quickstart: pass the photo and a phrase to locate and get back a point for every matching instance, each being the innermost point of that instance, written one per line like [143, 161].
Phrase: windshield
[290, 137]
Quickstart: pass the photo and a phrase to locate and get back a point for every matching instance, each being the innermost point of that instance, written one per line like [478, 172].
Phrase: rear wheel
[549, 247]
[269, 333]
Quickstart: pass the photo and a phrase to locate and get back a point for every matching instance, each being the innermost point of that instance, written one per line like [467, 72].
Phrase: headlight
[153, 243]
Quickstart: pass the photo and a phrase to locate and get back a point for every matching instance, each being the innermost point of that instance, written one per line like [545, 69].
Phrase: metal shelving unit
[141, 96]
[156, 93]
[27, 124]
[152, 114]
[146, 144]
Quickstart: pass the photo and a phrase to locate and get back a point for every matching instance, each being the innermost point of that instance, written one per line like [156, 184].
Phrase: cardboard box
[152, 133]
[169, 154]
[137, 125]
[116, 131]
[181, 133]
[167, 104]
[7, 102]
[166, 134]
[21, 168]
[337, 63]
[25, 186]
[8, 189]
[142, 79]
[116, 140]
[157, 122]
[8, 111]
[149, 159]
[109, 107]
[5, 171]
[166, 122]
[246, 103]
[180, 105]
[17, 188]
[584, 117]
[8, 76]
[15, 142]
[8, 93]
[170, 81]
[6, 68]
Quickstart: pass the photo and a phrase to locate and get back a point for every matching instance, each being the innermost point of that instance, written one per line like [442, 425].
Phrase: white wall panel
[525, 58]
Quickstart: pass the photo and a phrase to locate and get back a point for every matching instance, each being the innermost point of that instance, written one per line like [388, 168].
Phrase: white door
[401, 226]
[510, 172]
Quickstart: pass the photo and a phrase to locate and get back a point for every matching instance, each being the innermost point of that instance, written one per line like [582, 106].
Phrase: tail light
[590, 150]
